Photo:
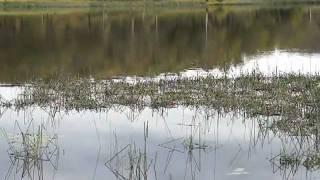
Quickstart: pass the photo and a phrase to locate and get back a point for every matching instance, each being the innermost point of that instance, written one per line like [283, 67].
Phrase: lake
[178, 93]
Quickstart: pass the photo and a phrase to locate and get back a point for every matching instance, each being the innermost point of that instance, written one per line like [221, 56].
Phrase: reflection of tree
[162, 42]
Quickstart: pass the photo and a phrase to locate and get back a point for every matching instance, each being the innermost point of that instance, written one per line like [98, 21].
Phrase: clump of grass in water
[294, 98]
[131, 162]
[29, 150]
[289, 162]
[252, 94]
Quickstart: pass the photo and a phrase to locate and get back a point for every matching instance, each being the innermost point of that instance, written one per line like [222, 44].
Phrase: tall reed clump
[131, 162]
[29, 150]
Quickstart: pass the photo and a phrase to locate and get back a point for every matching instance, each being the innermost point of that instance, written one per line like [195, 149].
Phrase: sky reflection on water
[233, 147]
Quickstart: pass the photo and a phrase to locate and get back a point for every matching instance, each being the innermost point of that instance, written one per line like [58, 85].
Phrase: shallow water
[233, 147]
[169, 143]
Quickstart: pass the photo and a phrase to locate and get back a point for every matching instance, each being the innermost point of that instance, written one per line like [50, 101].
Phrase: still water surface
[111, 43]
[81, 143]
[175, 143]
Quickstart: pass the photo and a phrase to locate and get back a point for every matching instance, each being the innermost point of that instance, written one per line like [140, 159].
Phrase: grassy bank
[97, 4]
[121, 4]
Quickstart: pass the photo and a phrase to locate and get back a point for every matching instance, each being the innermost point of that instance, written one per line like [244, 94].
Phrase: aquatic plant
[131, 162]
[28, 151]
[253, 95]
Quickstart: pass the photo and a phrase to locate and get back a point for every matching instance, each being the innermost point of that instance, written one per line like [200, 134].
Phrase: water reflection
[32, 150]
[105, 44]
[182, 143]
[118, 133]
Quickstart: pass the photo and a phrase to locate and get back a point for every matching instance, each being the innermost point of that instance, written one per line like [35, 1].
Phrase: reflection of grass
[287, 105]
[131, 162]
[28, 150]
[293, 102]
[289, 162]
[191, 146]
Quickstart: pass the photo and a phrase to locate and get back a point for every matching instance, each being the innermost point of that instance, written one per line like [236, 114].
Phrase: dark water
[109, 43]
[175, 143]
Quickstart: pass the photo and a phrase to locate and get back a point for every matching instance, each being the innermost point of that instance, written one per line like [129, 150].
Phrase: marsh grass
[29, 150]
[292, 99]
[134, 162]
[131, 162]
[254, 95]
[289, 162]
[192, 147]
[287, 105]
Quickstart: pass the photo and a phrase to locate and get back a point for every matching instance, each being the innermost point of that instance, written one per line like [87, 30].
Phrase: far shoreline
[138, 4]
